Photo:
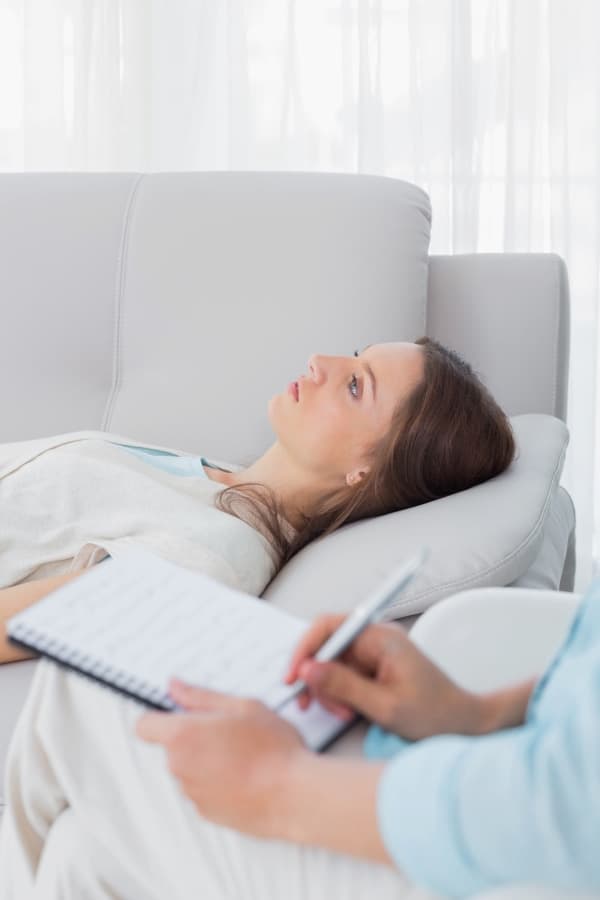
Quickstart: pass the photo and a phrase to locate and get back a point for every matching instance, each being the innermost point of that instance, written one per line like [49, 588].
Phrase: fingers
[157, 728]
[311, 640]
[338, 683]
[195, 698]
[162, 727]
[375, 642]
[338, 709]
[364, 653]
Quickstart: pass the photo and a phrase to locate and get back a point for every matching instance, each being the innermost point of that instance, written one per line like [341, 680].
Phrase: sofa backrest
[172, 306]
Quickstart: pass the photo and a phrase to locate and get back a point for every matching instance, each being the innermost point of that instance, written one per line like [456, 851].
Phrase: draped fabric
[492, 106]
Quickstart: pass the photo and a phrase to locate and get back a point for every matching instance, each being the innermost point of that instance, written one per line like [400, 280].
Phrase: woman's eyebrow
[369, 371]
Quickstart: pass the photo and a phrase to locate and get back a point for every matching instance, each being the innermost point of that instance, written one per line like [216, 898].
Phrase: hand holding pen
[332, 635]
[385, 677]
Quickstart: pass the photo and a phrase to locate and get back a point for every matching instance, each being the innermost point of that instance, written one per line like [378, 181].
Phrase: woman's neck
[220, 475]
[230, 479]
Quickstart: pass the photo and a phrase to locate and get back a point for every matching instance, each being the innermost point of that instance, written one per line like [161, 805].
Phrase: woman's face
[341, 410]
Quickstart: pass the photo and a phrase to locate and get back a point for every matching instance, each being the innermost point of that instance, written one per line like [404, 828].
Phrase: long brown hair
[449, 435]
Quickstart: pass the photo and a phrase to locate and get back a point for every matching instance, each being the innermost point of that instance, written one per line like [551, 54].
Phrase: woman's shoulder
[246, 549]
[15, 453]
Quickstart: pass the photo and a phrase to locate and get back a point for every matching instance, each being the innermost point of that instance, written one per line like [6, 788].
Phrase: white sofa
[170, 307]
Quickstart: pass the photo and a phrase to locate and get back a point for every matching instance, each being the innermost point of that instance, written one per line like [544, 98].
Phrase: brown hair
[449, 435]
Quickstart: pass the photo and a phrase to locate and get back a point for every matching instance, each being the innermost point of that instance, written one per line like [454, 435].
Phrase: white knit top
[68, 500]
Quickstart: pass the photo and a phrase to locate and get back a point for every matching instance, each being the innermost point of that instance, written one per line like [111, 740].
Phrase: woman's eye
[353, 379]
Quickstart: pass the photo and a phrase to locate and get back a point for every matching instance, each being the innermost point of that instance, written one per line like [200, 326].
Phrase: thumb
[198, 699]
[337, 682]
[157, 727]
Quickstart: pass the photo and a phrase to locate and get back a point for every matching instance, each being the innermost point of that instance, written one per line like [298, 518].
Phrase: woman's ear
[357, 475]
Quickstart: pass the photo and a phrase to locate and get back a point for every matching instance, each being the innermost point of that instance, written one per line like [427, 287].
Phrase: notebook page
[140, 620]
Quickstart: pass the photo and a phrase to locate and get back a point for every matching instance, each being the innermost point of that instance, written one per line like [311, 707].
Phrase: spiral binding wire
[86, 664]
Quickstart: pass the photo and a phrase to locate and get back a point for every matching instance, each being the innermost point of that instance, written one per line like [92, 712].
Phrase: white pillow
[487, 535]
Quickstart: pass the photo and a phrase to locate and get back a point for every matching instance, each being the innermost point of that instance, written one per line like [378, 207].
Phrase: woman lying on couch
[402, 424]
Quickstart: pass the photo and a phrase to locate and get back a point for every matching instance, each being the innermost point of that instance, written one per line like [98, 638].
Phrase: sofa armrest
[489, 637]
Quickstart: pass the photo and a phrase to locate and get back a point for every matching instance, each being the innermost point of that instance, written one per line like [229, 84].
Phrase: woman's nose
[316, 368]
[319, 367]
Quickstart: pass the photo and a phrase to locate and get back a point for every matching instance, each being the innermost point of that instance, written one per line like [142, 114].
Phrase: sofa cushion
[487, 535]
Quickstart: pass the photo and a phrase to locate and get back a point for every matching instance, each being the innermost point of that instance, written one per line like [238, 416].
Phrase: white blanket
[69, 500]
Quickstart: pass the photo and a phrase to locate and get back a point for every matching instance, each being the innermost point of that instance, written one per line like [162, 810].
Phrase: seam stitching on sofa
[572, 504]
[431, 592]
[121, 269]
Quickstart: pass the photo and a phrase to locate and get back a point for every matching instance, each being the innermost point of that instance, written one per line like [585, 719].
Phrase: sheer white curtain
[492, 106]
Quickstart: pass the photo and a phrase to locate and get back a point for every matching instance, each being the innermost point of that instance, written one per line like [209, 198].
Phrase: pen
[364, 614]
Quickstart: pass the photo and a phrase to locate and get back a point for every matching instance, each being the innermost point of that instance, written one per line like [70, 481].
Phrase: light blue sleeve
[462, 814]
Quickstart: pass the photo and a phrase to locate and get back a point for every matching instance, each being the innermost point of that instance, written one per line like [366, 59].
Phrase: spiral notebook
[133, 622]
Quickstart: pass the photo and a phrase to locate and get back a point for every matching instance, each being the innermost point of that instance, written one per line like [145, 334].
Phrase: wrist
[284, 791]
[502, 709]
[343, 793]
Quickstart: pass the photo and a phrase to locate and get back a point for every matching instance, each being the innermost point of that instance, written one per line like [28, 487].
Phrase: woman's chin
[282, 398]
[272, 409]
